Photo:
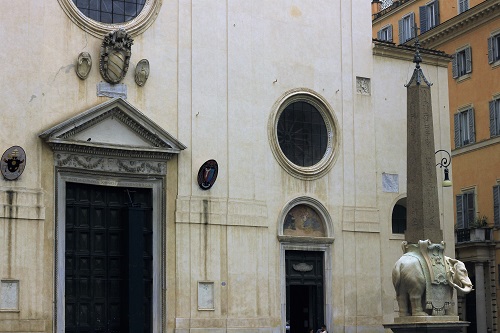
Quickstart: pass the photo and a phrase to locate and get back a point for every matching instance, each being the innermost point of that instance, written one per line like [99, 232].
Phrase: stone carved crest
[142, 72]
[116, 50]
[83, 65]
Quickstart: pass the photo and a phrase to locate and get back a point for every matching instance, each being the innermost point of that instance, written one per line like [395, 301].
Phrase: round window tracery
[110, 11]
[303, 135]
[99, 17]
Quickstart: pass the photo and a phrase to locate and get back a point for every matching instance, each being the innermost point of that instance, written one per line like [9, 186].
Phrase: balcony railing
[473, 235]
[387, 6]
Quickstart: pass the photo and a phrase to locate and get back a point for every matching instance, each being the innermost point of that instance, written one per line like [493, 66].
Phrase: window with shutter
[494, 107]
[463, 5]
[464, 128]
[385, 33]
[429, 16]
[494, 48]
[406, 28]
[465, 210]
[496, 205]
[462, 62]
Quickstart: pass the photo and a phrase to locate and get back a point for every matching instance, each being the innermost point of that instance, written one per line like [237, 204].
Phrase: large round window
[99, 17]
[302, 134]
[110, 11]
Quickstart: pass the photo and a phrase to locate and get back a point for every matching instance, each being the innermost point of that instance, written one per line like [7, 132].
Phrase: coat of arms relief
[116, 50]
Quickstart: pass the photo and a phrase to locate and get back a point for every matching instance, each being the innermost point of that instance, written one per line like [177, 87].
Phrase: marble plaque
[9, 295]
[363, 85]
[112, 90]
[390, 183]
[206, 296]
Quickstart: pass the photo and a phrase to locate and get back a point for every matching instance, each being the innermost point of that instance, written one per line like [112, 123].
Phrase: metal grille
[110, 11]
[302, 134]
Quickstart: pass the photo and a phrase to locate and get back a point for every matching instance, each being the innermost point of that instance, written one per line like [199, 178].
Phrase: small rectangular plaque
[206, 295]
[390, 182]
[112, 90]
[9, 295]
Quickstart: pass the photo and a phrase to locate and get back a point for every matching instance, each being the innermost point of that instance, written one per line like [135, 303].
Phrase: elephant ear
[450, 269]
[451, 264]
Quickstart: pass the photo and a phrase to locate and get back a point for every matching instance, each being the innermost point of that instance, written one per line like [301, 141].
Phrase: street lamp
[445, 162]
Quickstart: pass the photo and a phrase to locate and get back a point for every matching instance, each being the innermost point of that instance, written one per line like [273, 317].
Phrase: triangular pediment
[113, 128]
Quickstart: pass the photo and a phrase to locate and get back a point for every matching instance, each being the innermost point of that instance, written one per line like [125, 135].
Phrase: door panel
[103, 227]
[304, 290]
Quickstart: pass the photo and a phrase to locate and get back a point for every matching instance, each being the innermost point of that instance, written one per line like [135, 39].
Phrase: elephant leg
[416, 305]
[403, 304]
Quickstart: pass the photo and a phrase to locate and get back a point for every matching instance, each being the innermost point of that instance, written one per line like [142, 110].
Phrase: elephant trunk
[464, 287]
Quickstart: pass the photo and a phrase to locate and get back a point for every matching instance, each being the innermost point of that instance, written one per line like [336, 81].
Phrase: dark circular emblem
[13, 162]
[207, 174]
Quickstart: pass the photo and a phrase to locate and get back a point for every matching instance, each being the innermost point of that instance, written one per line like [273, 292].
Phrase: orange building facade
[469, 31]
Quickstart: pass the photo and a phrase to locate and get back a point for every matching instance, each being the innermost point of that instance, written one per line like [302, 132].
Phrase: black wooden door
[109, 273]
[304, 290]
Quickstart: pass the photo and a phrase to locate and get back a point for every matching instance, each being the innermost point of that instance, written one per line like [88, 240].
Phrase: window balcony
[481, 234]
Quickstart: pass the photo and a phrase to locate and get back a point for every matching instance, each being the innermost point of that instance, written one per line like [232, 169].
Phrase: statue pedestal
[427, 324]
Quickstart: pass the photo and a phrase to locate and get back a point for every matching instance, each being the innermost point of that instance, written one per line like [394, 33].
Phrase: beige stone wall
[217, 69]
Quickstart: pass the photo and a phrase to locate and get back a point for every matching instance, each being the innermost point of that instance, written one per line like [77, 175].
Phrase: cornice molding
[405, 52]
[475, 146]
[458, 25]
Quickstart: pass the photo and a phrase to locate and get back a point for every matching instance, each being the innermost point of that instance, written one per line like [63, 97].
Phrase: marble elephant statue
[409, 281]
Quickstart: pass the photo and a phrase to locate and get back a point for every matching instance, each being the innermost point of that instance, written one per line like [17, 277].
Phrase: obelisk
[424, 277]
[422, 195]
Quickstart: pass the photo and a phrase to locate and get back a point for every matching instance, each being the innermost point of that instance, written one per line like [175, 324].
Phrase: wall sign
[208, 174]
[13, 162]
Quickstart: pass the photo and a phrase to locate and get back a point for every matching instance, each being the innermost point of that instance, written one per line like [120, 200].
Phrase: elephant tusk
[466, 289]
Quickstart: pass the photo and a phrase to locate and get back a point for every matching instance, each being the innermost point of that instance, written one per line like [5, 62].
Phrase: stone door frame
[156, 184]
[327, 275]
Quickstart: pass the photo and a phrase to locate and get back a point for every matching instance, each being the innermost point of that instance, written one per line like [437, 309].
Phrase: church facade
[178, 166]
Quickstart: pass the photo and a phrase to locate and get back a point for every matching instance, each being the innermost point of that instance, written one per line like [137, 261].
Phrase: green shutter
[493, 121]
[460, 212]
[401, 33]
[457, 130]
[423, 19]
[468, 60]
[454, 66]
[472, 133]
[436, 10]
[490, 50]
[496, 205]
[413, 32]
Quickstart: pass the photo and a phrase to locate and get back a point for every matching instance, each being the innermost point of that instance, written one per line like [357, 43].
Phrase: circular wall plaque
[13, 162]
[207, 174]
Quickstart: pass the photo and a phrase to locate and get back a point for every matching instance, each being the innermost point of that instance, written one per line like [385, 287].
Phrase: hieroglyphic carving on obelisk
[422, 198]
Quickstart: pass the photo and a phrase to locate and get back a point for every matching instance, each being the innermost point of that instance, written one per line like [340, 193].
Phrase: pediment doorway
[110, 165]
